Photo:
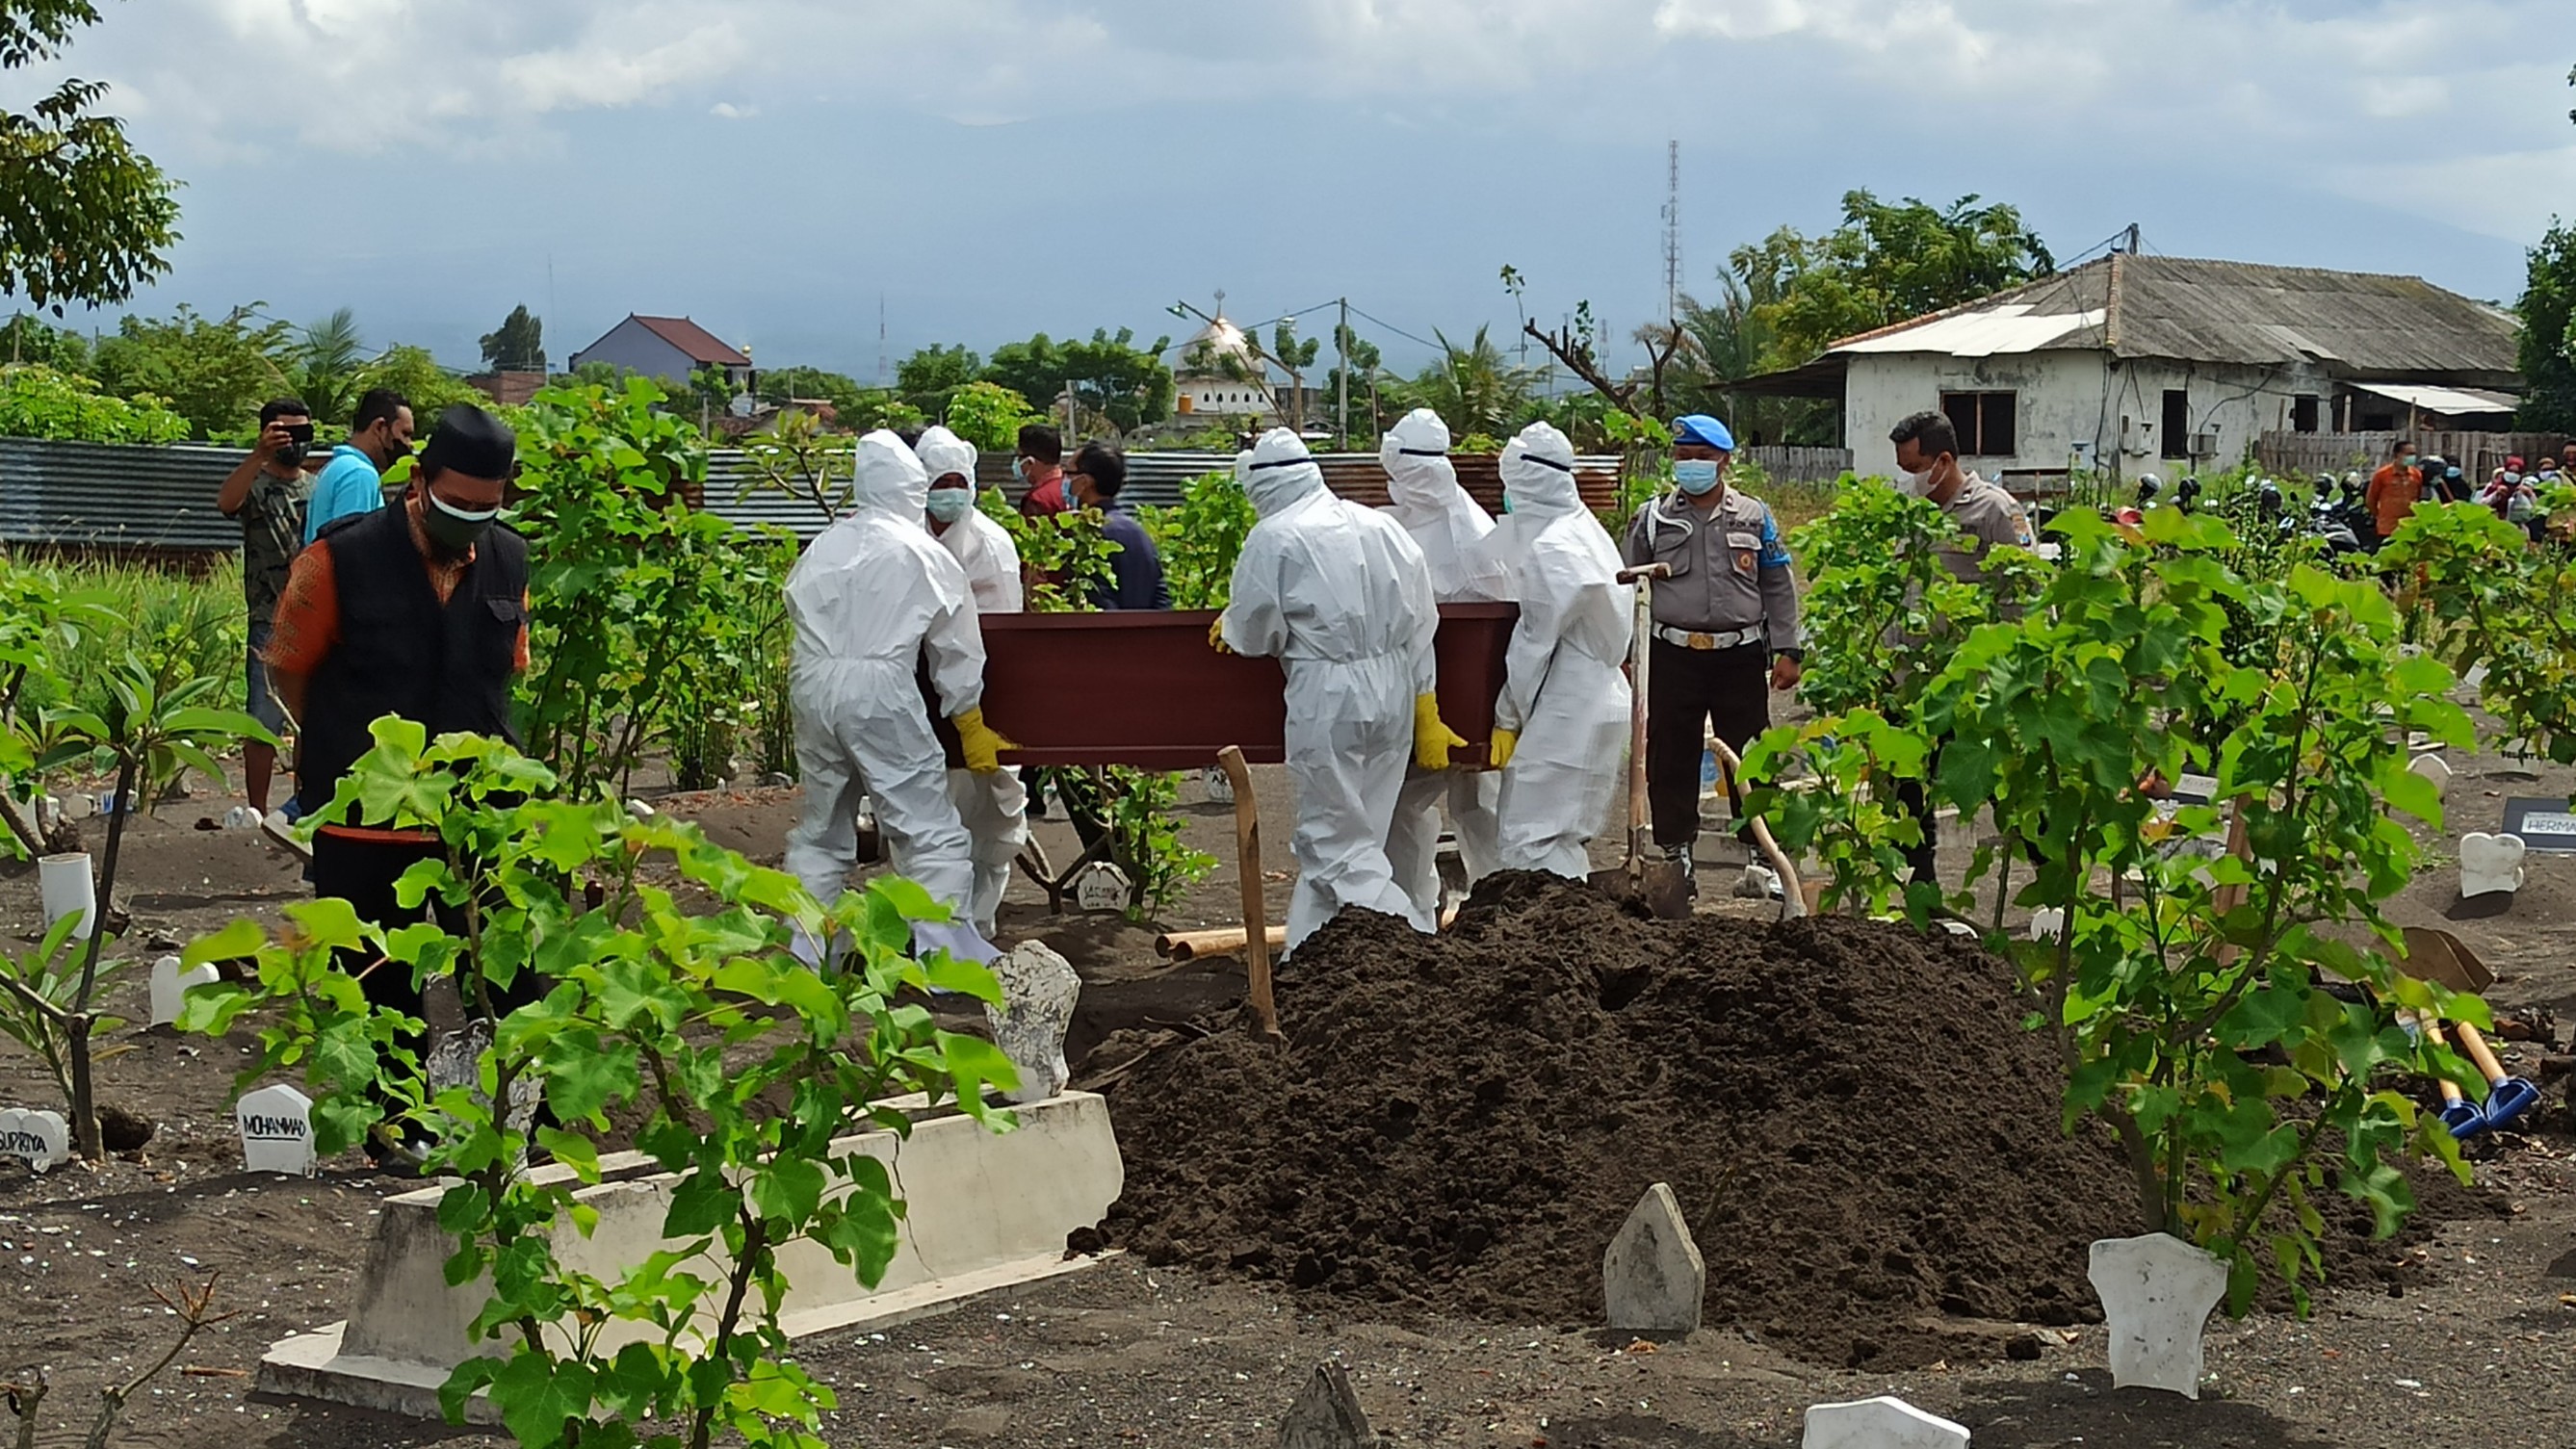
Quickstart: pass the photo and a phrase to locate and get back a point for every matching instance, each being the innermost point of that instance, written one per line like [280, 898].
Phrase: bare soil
[2461, 1338]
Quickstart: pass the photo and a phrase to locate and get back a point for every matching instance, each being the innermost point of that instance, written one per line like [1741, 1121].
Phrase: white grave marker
[2433, 768]
[1100, 887]
[2156, 1291]
[1039, 988]
[170, 985]
[1652, 1276]
[276, 1131]
[43, 1139]
[2048, 923]
[1881, 1423]
[2490, 863]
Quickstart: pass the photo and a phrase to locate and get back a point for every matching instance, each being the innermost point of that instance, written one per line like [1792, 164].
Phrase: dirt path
[2480, 1354]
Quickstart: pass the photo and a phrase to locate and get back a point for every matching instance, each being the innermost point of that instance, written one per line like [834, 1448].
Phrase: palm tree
[328, 358]
[1474, 389]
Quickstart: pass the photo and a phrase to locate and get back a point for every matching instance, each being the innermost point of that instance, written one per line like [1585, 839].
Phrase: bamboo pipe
[1216, 941]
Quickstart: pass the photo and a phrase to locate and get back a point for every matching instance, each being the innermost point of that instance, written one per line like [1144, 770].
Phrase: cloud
[728, 111]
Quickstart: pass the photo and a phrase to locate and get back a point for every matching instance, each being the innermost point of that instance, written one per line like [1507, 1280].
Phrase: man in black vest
[419, 611]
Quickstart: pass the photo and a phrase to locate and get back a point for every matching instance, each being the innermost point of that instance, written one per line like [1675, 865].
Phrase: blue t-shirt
[349, 484]
[1136, 568]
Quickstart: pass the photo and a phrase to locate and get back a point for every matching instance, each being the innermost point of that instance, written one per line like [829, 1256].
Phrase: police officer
[1725, 624]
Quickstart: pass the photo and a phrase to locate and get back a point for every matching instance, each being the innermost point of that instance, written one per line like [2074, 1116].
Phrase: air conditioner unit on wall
[2204, 445]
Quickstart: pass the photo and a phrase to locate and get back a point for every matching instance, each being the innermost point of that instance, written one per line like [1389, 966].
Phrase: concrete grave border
[984, 1211]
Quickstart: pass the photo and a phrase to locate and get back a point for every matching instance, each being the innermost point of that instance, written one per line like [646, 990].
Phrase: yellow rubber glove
[980, 744]
[1216, 635]
[1432, 737]
[1499, 753]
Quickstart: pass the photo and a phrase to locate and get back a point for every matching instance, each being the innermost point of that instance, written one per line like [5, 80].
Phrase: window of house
[2177, 428]
[2303, 413]
[1988, 423]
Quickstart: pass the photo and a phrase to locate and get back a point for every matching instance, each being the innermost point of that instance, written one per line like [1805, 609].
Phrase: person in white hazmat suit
[870, 598]
[1450, 529]
[1340, 596]
[1561, 726]
[992, 806]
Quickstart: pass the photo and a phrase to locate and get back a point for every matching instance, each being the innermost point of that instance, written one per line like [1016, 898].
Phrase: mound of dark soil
[1864, 1137]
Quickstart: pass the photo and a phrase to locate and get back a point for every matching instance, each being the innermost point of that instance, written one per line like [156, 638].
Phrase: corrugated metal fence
[161, 500]
[2476, 454]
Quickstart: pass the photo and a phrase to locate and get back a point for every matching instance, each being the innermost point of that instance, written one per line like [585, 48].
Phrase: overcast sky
[992, 168]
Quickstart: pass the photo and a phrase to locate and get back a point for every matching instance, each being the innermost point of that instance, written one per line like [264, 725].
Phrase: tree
[855, 408]
[2548, 311]
[1475, 389]
[988, 415]
[428, 387]
[28, 339]
[215, 372]
[84, 217]
[1110, 376]
[931, 375]
[1729, 341]
[328, 358]
[1884, 264]
[519, 345]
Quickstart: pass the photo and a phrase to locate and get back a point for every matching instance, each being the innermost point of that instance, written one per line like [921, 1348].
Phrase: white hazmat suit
[1339, 595]
[870, 598]
[993, 807]
[1450, 529]
[1564, 697]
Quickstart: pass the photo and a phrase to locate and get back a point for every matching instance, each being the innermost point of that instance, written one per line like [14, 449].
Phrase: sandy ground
[1122, 1355]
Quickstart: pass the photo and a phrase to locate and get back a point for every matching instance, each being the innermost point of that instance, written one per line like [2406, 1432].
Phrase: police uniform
[1730, 604]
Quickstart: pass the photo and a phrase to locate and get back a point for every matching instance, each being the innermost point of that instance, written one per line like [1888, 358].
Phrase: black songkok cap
[472, 442]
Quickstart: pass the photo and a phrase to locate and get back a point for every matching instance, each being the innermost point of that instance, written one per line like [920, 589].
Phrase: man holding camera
[268, 493]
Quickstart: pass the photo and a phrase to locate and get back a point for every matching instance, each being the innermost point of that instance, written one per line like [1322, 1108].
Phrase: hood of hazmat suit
[942, 452]
[982, 547]
[1340, 595]
[1444, 522]
[1563, 690]
[871, 596]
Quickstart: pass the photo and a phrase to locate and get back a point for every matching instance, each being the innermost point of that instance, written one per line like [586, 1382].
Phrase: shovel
[2508, 1097]
[1648, 877]
[1256, 928]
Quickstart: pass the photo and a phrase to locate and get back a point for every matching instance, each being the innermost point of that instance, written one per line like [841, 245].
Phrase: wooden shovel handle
[1256, 919]
[2433, 1033]
[2475, 1044]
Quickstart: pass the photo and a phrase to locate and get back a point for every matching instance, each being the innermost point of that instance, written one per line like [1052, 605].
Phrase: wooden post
[1256, 916]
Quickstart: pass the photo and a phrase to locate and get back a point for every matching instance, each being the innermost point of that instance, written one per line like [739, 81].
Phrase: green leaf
[541, 1397]
[572, 1150]
[702, 1202]
[788, 1189]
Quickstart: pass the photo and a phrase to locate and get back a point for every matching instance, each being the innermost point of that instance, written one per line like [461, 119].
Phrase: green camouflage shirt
[272, 520]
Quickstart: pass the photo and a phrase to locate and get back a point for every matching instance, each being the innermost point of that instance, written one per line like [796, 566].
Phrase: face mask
[1914, 485]
[951, 504]
[1507, 503]
[454, 529]
[1695, 476]
[1019, 470]
[2407, 461]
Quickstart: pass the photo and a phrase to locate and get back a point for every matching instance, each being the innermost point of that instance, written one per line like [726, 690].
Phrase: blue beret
[1701, 428]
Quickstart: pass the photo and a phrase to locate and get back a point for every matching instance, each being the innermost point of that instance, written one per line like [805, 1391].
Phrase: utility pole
[1342, 379]
[881, 340]
[1672, 230]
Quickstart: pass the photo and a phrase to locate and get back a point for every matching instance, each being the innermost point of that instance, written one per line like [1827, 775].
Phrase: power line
[1391, 327]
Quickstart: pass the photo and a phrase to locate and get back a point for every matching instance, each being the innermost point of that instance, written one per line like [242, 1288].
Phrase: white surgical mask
[1914, 485]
